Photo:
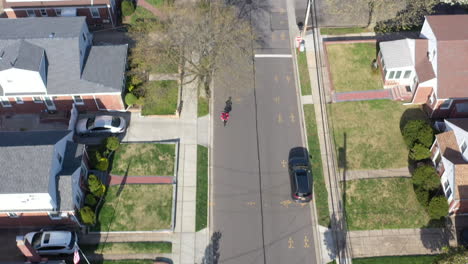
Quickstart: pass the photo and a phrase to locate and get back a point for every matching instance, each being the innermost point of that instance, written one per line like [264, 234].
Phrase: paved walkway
[117, 179]
[396, 242]
[97, 257]
[102, 237]
[151, 8]
[372, 174]
[164, 76]
[363, 95]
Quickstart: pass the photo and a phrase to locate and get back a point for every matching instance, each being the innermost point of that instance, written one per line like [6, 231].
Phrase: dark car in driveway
[300, 175]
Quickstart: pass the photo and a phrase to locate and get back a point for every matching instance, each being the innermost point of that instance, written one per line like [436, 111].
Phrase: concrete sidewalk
[373, 174]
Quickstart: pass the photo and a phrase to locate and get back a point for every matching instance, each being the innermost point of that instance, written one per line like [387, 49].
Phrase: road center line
[273, 56]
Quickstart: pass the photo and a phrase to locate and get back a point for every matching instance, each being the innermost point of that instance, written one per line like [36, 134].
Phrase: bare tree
[198, 38]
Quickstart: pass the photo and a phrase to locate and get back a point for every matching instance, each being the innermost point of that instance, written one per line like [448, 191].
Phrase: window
[446, 104]
[43, 12]
[398, 74]
[448, 192]
[407, 74]
[55, 216]
[84, 37]
[78, 100]
[19, 100]
[5, 102]
[391, 74]
[432, 99]
[94, 12]
[13, 215]
[463, 147]
[37, 100]
[408, 88]
[59, 157]
[31, 13]
[446, 184]
[58, 12]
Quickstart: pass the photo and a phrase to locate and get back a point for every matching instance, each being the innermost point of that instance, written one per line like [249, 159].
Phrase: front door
[49, 103]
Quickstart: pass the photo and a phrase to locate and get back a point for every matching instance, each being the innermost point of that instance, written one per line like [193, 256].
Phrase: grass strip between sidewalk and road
[202, 188]
[128, 248]
[303, 73]
[423, 259]
[129, 261]
[342, 31]
[320, 189]
[203, 108]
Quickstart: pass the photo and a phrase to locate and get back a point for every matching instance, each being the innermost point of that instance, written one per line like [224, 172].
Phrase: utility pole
[307, 17]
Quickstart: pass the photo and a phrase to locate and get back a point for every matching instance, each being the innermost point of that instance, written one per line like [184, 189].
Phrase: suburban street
[251, 196]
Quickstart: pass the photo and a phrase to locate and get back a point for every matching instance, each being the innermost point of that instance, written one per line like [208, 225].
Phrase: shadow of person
[228, 106]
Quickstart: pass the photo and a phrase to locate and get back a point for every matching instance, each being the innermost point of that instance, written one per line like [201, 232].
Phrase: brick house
[50, 64]
[432, 70]
[41, 178]
[450, 157]
[97, 12]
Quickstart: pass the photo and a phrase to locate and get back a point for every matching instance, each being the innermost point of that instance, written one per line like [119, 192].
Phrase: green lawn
[341, 31]
[320, 189]
[350, 67]
[144, 159]
[202, 188]
[140, 12]
[128, 248]
[372, 130]
[203, 108]
[139, 207]
[387, 203]
[303, 73]
[156, 3]
[396, 260]
[160, 98]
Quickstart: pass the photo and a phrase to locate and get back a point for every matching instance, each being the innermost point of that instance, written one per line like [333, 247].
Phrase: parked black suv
[299, 172]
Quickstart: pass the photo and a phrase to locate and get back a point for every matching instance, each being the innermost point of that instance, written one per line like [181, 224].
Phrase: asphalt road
[251, 204]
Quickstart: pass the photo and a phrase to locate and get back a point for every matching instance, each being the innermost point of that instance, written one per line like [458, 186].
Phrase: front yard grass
[202, 188]
[372, 132]
[203, 108]
[136, 207]
[350, 67]
[160, 98]
[342, 31]
[320, 189]
[140, 12]
[423, 259]
[144, 159]
[303, 73]
[387, 203]
[128, 248]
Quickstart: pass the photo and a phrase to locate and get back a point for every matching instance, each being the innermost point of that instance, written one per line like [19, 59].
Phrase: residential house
[41, 174]
[450, 157]
[432, 70]
[97, 12]
[49, 64]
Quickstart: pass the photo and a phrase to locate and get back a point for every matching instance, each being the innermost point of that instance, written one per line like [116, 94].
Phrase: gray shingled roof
[26, 159]
[397, 53]
[64, 75]
[29, 56]
[41, 27]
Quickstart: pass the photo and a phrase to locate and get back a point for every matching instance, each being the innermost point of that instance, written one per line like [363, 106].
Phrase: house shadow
[212, 253]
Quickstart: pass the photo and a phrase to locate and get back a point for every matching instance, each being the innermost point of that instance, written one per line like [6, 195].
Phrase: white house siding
[448, 175]
[461, 136]
[21, 81]
[56, 166]
[43, 70]
[26, 202]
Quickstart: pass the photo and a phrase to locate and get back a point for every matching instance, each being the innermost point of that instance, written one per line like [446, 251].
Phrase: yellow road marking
[280, 118]
[276, 99]
[251, 203]
[290, 243]
[238, 99]
[288, 78]
[304, 205]
[292, 117]
[284, 163]
[283, 36]
[306, 242]
[286, 203]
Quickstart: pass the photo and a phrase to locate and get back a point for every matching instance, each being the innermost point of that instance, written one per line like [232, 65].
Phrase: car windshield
[36, 240]
[89, 123]
[303, 186]
[72, 240]
[115, 121]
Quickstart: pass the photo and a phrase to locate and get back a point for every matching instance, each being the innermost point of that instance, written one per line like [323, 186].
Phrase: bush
[94, 157]
[130, 99]
[418, 131]
[426, 178]
[95, 186]
[422, 196]
[438, 207]
[112, 143]
[87, 215]
[419, 152]
[127, 8]
[90, 200]
[103, 164]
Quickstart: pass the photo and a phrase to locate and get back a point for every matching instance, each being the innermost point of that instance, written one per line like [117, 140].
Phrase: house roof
[459, 122]
[452, 68]
[449, 148]
[26, 160]
[62, 51]
[397, 53]
[29, 56]
[71, 162]
[422, 65]
[449, 27]
[461, 181]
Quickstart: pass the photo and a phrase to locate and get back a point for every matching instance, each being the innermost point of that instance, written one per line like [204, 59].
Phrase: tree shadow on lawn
[212, 250]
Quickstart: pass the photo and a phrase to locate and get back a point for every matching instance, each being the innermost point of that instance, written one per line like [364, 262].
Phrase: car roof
[302, 180]
[102, 121]
[56, 238]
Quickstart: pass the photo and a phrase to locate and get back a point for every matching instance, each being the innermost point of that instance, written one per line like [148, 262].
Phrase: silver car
[101, 124]
[53, 242]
